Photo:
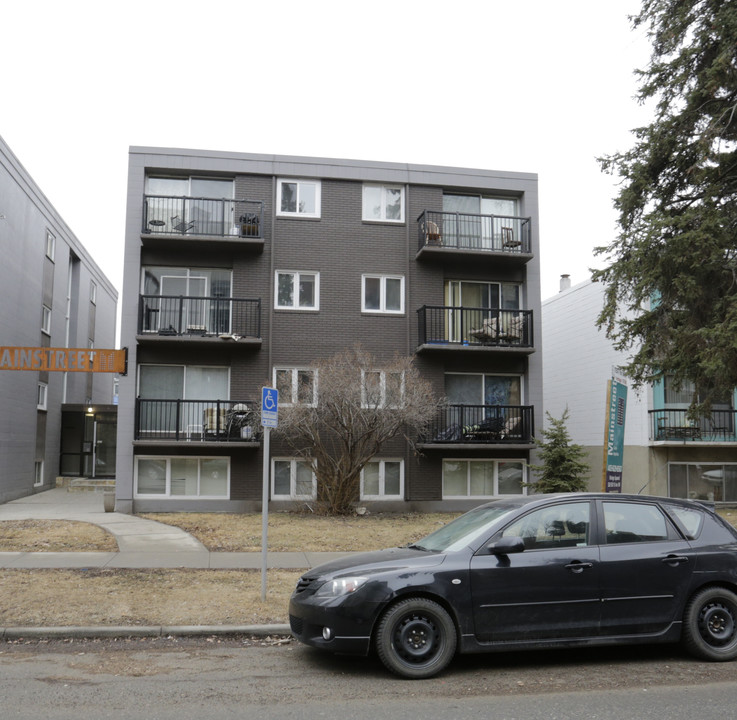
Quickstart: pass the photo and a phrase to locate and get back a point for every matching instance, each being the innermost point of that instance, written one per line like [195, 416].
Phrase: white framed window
[38, 473]
[46, 320]
[383, 203]
[382, 480]
[93, 292]
[483, 478]
[292, 479]
[382, 294]
[42, 397]
[50, 245]
[296, 386]
[297, 290]
[182, 477]
[382, 389]
[298, 198]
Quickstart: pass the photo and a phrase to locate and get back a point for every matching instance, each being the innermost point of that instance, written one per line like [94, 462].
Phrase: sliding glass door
[473, 221]
[480, 301]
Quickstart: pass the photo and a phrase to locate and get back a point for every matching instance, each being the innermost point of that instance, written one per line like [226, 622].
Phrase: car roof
[522, 500]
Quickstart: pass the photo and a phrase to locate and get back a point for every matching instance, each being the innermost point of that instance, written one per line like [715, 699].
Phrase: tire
[416, 638]
[710, 624]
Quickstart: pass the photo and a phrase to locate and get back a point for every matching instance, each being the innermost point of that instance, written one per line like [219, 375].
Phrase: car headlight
[341, 586]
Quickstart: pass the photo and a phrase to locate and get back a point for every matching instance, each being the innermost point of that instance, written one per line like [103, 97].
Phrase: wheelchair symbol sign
[269, 407]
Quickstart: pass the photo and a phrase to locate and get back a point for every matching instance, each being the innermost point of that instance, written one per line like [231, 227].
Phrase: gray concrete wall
[28, 280]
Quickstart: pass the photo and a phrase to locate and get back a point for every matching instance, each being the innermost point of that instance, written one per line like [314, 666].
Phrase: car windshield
[463, 530]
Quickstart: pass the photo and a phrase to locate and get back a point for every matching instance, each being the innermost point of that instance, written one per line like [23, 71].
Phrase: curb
[113, 631]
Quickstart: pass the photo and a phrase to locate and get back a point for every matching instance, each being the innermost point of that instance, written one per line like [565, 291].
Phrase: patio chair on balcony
[488, 332]
[431, 231]
[181, 226]
[512, 429]
[507, 328]
[508, 239]
[215, 422]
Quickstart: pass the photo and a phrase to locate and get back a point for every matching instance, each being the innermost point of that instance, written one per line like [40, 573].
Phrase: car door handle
[578, 567]
[675, 560]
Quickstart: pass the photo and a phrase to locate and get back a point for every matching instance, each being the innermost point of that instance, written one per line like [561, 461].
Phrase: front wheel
[710, 624]
[416, 638]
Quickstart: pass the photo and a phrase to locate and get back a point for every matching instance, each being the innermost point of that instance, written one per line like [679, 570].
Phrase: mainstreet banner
[63, 359]
[614, 436]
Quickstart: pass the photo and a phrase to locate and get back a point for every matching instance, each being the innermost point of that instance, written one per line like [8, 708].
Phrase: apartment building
[243, 270]
[665, 452]
[53, 296]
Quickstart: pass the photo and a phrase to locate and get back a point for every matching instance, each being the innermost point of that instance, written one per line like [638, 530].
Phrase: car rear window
[690, 519]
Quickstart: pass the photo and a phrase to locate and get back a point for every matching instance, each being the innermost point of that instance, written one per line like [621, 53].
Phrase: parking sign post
[269, 419]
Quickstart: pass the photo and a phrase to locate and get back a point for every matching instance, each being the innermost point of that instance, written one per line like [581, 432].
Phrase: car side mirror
[507, 545]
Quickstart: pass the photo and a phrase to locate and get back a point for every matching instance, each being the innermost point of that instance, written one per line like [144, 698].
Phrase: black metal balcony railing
[197, 420]
[221, 217]
[490, 424]
[443, 325]
[464, 231]
[179, 315]
[719, 426]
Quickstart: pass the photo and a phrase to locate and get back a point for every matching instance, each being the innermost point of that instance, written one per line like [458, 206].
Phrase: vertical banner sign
[614, 436]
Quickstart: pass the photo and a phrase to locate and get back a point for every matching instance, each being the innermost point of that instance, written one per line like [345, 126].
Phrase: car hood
[378, 561]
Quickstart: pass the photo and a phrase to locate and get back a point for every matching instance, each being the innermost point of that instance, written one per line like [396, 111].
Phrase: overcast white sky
[540, 86]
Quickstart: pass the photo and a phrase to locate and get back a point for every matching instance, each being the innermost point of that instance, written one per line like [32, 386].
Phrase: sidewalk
[144, 544]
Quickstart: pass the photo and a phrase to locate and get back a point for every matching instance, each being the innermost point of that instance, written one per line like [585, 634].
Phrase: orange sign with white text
[63, 359]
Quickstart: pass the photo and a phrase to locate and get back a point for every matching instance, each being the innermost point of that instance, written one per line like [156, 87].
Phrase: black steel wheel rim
[416, 638]
[717, 624]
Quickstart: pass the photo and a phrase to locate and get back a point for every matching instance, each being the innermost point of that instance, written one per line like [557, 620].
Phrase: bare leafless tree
[360, 404]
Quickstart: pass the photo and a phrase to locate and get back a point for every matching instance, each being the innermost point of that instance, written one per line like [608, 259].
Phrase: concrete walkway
[143, 543]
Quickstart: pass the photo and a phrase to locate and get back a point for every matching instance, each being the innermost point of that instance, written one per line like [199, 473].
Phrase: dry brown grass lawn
[227, 532]
[184, 597]
[54, 536]
[142, 597]
[180, 597]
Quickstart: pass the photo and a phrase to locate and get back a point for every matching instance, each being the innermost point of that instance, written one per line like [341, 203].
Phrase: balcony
[482, 425]
[674, 426]
[462, 328]
[501, 238]
[197, 421]
[207, 222]
[199, 320]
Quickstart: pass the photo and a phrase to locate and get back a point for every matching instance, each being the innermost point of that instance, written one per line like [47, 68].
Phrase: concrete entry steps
[85, 484]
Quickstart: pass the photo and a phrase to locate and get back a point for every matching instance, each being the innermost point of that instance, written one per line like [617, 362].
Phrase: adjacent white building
[665, 454]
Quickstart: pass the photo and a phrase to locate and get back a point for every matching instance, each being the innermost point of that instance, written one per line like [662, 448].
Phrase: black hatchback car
[540, 571]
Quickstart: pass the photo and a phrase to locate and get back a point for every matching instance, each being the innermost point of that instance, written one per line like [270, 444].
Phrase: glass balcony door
[494, 228]
[473, 389]
[185, 315]
[484, 296]
[196, 205]
[176, 383]
[211, 217]
[472, 221]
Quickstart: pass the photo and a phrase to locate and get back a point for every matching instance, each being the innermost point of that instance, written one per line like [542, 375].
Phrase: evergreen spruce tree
[671, 283]
[563, 468]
